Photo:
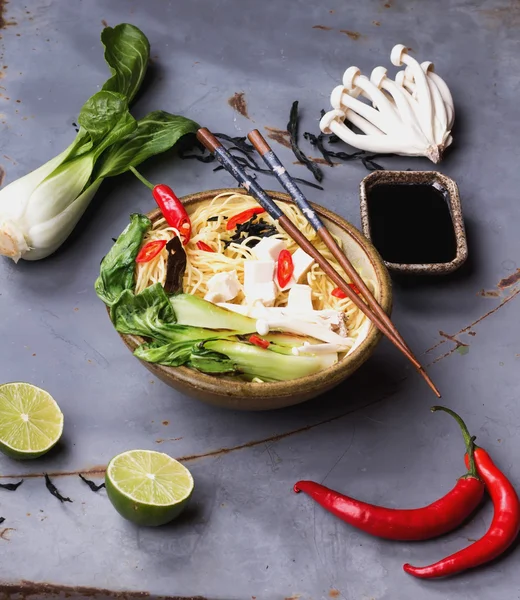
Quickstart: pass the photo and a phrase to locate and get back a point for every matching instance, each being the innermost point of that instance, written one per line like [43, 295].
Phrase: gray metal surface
[246, 534]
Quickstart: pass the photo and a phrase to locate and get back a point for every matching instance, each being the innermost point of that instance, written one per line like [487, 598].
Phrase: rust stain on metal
[319, 160]
[238, 103]
[161, 440]
[509, 281]
[281, 136]
[2, 175]
[97, 470]
[166, 422]
[100, 470]
[376, 23]
[353, 35]
[388, 4]
[472, 333]
[34, 589]
[4, 532]
[507, 15]
[467, 329]
[334, 593]
[323, 27]
[2, 11]
[452, 339]
[104, 23]
[488, 293]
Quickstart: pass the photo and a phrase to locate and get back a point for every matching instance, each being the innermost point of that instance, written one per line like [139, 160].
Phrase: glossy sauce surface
[411, 223]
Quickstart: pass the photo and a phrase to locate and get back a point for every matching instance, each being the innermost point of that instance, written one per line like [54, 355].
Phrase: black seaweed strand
[253, 228]
[2, 519]
[11, 487]
[292, 128]
[317, 140]
[175, 267]
[93, 486]
[54, 490]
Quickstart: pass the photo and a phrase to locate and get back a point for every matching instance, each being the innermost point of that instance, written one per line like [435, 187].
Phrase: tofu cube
[258, 281]
[268, 248]
[300, 299]
[223, 287]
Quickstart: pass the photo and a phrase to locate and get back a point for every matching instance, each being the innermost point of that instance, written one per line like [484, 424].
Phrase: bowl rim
[218, 386]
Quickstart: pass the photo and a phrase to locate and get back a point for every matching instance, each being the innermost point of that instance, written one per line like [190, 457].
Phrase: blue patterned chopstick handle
[248, 183]
[272, 161]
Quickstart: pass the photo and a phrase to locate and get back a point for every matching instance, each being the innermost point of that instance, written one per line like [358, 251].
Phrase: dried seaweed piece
[2, 519]
[253, 228]
[317, 140]
[175, 267]
[292, 128]
[240, 142]
[93, 486]
[11, 487]
[54, 490]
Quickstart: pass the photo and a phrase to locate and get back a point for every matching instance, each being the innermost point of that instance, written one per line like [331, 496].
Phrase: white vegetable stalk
[411, 116]
[39, 211]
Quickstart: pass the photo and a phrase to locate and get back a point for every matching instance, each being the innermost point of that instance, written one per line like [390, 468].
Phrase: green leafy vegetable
[170, 355]
[40, 210]
[117, 268]
[157, 132]
[209, 361]
[127, 52]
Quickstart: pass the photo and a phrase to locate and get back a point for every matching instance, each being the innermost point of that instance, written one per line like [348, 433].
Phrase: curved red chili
[260, 342]
[504, 527]
[204, 247]
[339, 293]
[284, 268]
[149, 251]
[243, 217]
[411, 524]
[173, 210]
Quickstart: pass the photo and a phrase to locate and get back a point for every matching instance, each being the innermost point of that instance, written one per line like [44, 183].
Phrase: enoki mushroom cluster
[411, 115]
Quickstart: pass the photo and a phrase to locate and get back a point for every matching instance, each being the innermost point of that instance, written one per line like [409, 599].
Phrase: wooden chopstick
[275, 164]
[253, 188]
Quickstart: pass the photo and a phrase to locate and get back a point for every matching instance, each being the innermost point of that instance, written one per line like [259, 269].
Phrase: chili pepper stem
[469, 440]
[141, 178]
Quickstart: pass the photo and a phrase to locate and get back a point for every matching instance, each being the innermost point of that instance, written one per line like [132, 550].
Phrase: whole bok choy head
[39, 211]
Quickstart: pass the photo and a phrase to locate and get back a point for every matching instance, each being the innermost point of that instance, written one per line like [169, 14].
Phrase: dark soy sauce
[411, 223]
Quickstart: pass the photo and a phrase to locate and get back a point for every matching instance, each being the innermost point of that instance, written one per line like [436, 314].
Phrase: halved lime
[148, 488]
[31, 422]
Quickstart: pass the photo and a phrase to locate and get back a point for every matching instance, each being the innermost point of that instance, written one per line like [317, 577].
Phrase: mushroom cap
[336, 95]
[350, 76]
[427, 66]
[396, 56]
[377, 76]
[328, 118]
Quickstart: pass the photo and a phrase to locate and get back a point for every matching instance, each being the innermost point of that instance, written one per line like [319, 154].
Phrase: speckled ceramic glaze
[420, 177]
[266, 396]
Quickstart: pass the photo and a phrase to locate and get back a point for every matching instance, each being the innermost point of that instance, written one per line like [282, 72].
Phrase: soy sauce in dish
[411, 223]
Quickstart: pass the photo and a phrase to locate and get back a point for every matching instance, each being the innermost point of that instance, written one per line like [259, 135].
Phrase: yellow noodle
[201, 266]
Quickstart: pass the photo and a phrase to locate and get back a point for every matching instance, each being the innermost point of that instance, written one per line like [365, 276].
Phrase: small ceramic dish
[431, 178]
[229, 393]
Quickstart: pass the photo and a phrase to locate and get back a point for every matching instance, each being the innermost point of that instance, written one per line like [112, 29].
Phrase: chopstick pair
[372, 310]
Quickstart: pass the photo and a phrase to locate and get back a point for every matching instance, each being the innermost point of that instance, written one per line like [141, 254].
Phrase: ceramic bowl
[267, 396]
[420, 177]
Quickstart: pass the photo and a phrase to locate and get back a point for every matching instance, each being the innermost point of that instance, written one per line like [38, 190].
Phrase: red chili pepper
[258, 341]
[413, 524]
[339, 293]
[243, 217]
[203, 246]
[149, 251]
[173, 211]
[504, 527]
[284, 268]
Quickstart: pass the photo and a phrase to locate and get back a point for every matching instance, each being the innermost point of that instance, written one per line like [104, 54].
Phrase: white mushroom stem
[359, 121]
[400, 56]
[428, 68]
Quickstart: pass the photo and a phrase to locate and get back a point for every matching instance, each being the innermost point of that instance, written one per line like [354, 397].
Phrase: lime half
[148, 488]
[31, 422]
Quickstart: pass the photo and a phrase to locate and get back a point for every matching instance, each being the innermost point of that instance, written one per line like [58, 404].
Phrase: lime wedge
[148, 488]
[31, 422]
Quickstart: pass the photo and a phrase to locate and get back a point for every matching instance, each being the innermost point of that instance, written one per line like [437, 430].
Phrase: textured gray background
[246, 534]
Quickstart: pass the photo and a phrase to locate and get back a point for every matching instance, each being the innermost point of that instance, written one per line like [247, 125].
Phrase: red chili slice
[258, 341]
[204, 247]
[149, 251]
[243, 217]
[173, 211]
[339, 293]
[284, 268]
